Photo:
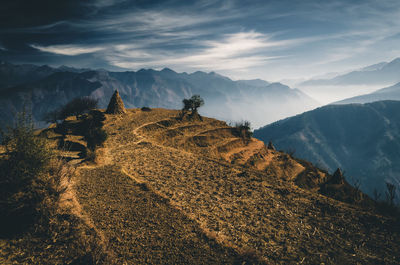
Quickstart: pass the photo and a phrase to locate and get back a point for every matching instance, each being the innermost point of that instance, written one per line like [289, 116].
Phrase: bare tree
[390, 193]
[376, 194]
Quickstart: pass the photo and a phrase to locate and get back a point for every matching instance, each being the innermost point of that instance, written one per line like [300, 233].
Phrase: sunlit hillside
[166, 188]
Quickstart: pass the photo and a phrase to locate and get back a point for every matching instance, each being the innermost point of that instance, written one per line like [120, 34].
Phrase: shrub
[75, 107]
[96, 136]
[243, 130]
[145, 109]
[52, 116]
[390, 193]
[91, 129]
[22, 169]
[192, 104]
[30, 189]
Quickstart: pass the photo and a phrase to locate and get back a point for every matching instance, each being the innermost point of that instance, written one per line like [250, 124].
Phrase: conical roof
[271, 146]
[116, 105]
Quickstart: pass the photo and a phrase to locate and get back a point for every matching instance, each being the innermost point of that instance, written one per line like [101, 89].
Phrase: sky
[242, 39]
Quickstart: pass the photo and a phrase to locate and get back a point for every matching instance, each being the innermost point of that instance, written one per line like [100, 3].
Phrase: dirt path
[252, 209]
[170, 181]
[141, 227]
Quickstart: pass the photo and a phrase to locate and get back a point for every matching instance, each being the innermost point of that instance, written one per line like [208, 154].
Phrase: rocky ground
[169, 191]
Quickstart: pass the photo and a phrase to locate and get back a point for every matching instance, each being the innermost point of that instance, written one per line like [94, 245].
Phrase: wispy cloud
[70, 50]
[232, 52]
[273, 39]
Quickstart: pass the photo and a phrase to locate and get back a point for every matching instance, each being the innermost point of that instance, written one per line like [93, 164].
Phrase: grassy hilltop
[167, 189]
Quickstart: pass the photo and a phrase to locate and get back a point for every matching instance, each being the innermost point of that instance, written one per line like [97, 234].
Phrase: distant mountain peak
[374, 67]
[168, 70]
[377, 74]
[255, 82]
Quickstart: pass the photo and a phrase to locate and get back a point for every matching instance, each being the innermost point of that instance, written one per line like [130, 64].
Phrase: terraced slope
[142, 227]
[232, 200]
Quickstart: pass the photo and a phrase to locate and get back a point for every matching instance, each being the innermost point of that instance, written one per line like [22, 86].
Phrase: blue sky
[272, 40]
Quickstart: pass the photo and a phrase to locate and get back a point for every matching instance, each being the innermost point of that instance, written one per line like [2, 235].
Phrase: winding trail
[159, 197]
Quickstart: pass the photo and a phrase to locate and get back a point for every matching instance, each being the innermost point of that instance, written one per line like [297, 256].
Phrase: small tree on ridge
[192, 103]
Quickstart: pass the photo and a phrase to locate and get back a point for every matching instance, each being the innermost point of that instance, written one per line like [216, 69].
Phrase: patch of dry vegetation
[171, 190]
[142, 227]
[34, 228]
[245, 206]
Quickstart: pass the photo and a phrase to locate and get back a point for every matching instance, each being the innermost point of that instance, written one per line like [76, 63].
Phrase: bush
[390, 193]
[22, 168]
[192, 103]
[92, 130]
[30, 190]
[96, 136]
[145, 109]
[52, 116]
[75, 107]
[243, 130]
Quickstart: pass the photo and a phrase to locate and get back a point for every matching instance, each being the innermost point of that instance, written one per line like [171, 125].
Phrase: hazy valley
[46, 89]
[354, 83]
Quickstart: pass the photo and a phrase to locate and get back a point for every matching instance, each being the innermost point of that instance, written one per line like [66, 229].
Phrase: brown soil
[241, 206]
[142, 227]
[170, 191]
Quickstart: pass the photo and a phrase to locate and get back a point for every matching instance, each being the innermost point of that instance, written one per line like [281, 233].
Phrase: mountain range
[387, 93]
[45, 88]
[383, 73]
[354, 83]
[361, 139]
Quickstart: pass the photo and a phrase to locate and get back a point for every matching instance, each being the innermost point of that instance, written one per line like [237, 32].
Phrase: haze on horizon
[271, 40]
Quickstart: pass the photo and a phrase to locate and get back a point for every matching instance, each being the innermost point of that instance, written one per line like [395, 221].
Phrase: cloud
[232, 52]
[69, 50]
[275, 39]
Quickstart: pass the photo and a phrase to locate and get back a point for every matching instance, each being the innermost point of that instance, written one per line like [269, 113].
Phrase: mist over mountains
[352, 84]
[45, 88]
[361, 139]
[383, 73]
[387, 93]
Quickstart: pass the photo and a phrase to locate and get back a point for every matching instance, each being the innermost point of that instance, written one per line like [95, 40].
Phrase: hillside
[190, 191]
[225, 99]
[388, 93]
[362, 139]
[13, 74]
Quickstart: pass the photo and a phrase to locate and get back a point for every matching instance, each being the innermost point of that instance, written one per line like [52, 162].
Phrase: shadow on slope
[143, 228]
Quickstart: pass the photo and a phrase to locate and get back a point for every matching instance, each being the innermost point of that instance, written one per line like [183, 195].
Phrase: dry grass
[242, 206]
[60, 236]
[170, 191]
[142, 227]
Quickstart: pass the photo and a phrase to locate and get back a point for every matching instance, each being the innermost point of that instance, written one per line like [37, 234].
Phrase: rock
[271, 146]
[337, 177]
[116, 105]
